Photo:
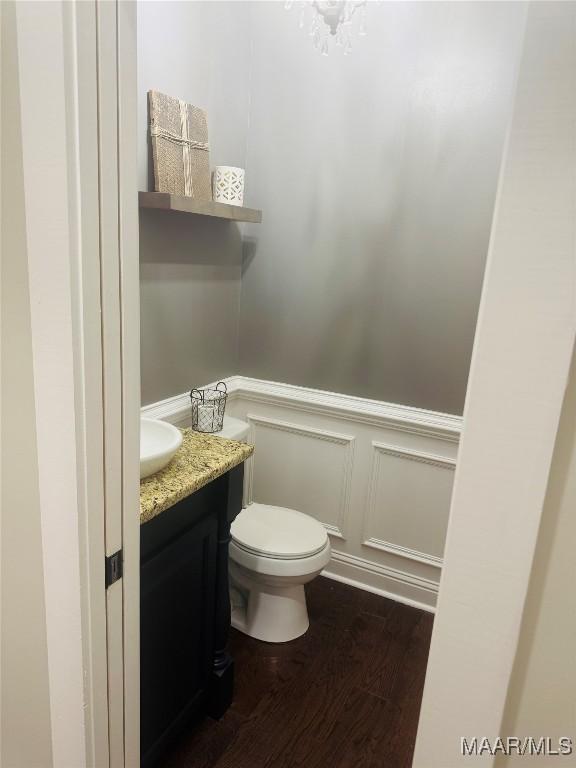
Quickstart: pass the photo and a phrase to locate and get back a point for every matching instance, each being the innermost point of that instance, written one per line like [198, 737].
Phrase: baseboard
[381, 580]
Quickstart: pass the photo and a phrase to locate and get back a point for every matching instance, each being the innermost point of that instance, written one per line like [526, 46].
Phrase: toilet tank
[234, 429]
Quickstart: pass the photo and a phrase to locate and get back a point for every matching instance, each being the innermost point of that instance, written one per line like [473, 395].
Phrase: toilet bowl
[274, 551]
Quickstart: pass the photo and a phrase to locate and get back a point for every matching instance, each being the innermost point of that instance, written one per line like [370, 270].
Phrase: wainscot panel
[377, 475]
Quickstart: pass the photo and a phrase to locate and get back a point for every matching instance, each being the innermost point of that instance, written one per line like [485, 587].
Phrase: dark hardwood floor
[345, 695]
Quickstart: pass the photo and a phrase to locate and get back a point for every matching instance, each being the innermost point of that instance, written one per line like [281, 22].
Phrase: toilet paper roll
[205, 415]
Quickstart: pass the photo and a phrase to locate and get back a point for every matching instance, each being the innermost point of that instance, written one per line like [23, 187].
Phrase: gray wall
[190, 267]
[377, 176]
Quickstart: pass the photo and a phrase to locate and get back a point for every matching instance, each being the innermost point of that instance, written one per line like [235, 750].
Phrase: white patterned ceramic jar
[228, 185]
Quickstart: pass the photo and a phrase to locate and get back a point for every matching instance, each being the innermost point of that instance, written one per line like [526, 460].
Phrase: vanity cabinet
[186, 671]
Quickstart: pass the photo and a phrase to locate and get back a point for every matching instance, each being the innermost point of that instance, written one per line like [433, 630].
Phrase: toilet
[274, 551]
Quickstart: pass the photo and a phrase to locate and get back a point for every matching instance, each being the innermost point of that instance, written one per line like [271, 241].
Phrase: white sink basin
[159, 441]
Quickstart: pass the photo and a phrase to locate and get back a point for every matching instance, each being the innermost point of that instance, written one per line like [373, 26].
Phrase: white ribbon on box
[186, 143]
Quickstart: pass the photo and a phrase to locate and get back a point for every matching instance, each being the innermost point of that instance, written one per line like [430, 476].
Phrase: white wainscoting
[318, 462]
[394, 498]
[377, 475]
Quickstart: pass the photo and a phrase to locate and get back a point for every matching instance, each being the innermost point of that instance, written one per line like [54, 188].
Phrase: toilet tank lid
[234, 429]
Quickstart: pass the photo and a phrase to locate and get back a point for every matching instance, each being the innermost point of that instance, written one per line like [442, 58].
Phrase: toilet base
[274, 614]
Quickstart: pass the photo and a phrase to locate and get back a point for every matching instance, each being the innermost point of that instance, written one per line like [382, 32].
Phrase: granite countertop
[200, 459]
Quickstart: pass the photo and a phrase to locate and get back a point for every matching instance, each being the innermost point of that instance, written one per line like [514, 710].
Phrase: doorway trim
[76, 87]
[520, 366]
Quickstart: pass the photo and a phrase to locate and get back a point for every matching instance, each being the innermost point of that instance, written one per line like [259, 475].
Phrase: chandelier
[332, 20]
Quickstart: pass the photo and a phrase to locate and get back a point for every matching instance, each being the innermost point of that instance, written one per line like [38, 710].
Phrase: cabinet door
[176, 621]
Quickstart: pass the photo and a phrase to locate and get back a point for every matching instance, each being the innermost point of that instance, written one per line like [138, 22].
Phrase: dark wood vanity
[186, 671]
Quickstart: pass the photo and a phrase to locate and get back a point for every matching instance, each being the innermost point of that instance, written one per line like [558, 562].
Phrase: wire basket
[208, 406]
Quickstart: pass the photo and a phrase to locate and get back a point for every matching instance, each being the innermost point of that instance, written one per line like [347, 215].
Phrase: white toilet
[274, 551]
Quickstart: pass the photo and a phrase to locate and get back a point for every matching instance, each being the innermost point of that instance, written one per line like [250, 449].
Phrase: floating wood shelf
[166, 202]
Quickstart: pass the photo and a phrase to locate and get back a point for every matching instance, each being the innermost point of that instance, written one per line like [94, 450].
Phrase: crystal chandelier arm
[337, 16]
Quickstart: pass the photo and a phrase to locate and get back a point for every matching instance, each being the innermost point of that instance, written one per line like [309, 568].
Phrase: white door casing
[522, 351]
[75, 77]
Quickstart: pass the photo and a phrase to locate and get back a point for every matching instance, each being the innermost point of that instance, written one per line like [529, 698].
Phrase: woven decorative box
[180, 149]
[228, 185]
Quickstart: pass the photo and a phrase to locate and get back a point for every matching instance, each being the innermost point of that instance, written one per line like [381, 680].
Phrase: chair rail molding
[176, 410]
[349, 407]
[379, 413]
[377, 475]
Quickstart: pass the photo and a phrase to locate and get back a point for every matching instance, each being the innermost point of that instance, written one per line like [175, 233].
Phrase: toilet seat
[259, 553]
[277, 533]
[273, 567]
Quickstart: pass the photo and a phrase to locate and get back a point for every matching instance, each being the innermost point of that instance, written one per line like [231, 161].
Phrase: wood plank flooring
[345, 695]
